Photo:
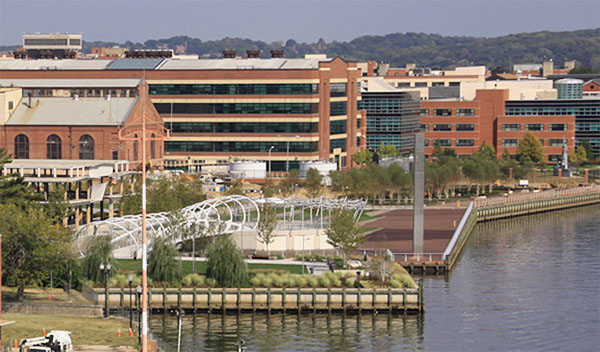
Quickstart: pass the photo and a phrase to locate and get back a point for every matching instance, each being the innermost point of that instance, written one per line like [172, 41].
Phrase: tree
[582, 70]
[486, 152]
[579, 156]
[344, 232]
[387, 151]
[236, 187]
[225, 263]
[12, 188]
[266, 225]
[588, 149]
[33, 244]
[363, 156]
[313, 183]
[162, 262]
[99, 251]
[530, 147]
[268, 189]
[57, 207]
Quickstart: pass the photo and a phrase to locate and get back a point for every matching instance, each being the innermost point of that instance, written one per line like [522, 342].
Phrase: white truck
[55, 341]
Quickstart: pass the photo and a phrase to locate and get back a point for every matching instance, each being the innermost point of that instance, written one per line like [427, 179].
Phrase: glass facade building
[392, 118]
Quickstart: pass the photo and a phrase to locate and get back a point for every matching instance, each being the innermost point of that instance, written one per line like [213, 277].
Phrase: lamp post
[138, 290]
[105, 270]
[130, 307]
[270, 159]
[287, 160]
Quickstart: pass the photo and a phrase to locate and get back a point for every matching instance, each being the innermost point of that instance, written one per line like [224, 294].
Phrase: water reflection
[292, 332]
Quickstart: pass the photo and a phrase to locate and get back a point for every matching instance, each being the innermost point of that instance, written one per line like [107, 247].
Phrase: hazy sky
[304, 21]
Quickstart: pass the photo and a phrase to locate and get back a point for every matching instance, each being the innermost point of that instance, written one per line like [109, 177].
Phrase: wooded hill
[428, 50]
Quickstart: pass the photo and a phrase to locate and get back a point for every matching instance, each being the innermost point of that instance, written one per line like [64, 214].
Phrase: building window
[115, 155]
[337, 108]
[558, 127]
[554, 157]
[465, 142]
[465, 112]
[541, 141]
[420, 84]
[135, 148]
[510, 142]
[86, 147]
[555, 142]
[442, 127]
[454, 84]
[337, 127]
[512, 127]
[337, 90]
[10, 105]
[426, 142]
[424, 112]
[152, 146]
[442, 112]
[535, 127]
[239, 89]
[21, 147]
[403, 84]
[424, 127]
[465, 127]
[53, 147]
[443, 142]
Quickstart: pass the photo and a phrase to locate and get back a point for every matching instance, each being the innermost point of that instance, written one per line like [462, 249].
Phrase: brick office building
[466, 125]
[218, 110]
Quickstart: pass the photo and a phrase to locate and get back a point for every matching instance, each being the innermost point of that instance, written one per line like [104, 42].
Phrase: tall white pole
[144, 237]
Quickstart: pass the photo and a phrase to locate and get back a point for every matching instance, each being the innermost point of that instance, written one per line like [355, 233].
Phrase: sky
[280, 20]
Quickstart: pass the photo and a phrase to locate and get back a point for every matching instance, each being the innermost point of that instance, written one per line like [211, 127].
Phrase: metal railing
[531, 196]
[458, 231]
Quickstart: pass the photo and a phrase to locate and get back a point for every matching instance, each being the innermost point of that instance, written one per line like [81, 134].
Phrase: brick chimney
[253, 54]
[229, 54]
[277, 54]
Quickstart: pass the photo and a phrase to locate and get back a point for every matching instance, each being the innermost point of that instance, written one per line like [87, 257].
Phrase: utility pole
[131, 134]
[418, 195]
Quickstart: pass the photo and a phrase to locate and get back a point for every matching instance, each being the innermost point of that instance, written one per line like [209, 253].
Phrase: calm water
[531, 283]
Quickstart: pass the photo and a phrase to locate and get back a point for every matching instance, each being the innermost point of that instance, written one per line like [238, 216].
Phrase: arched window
[135, 148]
[53, 147]
[86, 147]
[21, 147]
[152, 147]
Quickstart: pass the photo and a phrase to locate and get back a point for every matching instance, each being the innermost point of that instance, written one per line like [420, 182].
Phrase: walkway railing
[528, 197]
[458, 231]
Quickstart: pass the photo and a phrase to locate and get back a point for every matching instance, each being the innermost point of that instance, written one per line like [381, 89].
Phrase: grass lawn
[367, 229]
[186, 266]
[41, 294]
[84, 330]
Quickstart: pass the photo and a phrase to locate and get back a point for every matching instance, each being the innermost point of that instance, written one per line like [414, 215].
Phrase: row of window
[448, 112]
[559, 111]
[513, 127]
[337, 127]
[391, 124]
[54, 147]
[551, 142]
[80, 92]
[337, 143]
[587, 126]
[448, 127]
[241, 147]
[448, 142]
[244, 127]
[337, 90]
[399, 141]
[337, 108]
[238, 108]
[237, 89]
[424, 84]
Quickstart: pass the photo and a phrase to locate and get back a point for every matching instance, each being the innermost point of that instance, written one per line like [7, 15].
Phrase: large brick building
[218, 110]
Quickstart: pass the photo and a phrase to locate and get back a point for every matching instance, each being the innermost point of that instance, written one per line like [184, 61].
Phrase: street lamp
[105, 270]
[303, 240]
[270, 159]
[130, 307]
[138, 289]
[287, 160]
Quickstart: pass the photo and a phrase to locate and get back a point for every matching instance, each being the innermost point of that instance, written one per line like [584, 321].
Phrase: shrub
[299, 257]
[310, 280]
[299, 281]
[279, 281]
[324, 280]
[405, 280]
[266, 281]
[257, 280]
[210, 282]
[396, 284]
[193, 280]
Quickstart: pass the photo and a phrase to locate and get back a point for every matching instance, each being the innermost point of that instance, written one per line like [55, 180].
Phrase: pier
[448, 229]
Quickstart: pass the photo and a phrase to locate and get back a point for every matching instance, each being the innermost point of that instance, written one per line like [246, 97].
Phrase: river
[529, 284]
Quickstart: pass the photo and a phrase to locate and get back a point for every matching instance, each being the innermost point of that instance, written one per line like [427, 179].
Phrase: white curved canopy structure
[212, 217]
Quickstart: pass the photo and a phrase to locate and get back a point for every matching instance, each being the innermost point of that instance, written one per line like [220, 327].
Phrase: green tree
[235, 188]
[363, 156]
[57, 207]
[530, 147]
[387, 151]
[344, 232]
[589, 154]
[582, 70]
[12, 188]
[33, 244]
[225, 263]
[314, 183]
[99, 251]
[266, 225]
[162, 261]
[486, 151]
[268, 189]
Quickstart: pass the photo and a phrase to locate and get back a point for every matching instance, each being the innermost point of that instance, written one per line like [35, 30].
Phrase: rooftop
[68, 111]
[49, 64]
[70, 83]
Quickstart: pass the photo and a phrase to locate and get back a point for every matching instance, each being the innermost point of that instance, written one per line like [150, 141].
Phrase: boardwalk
[395, 227]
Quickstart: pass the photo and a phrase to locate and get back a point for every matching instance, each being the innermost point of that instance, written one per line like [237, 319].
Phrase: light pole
[270, 159]
[130, 307]
[105, 270]
[139, 290]
[287, 160]
[303, 240]
[180, 313]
